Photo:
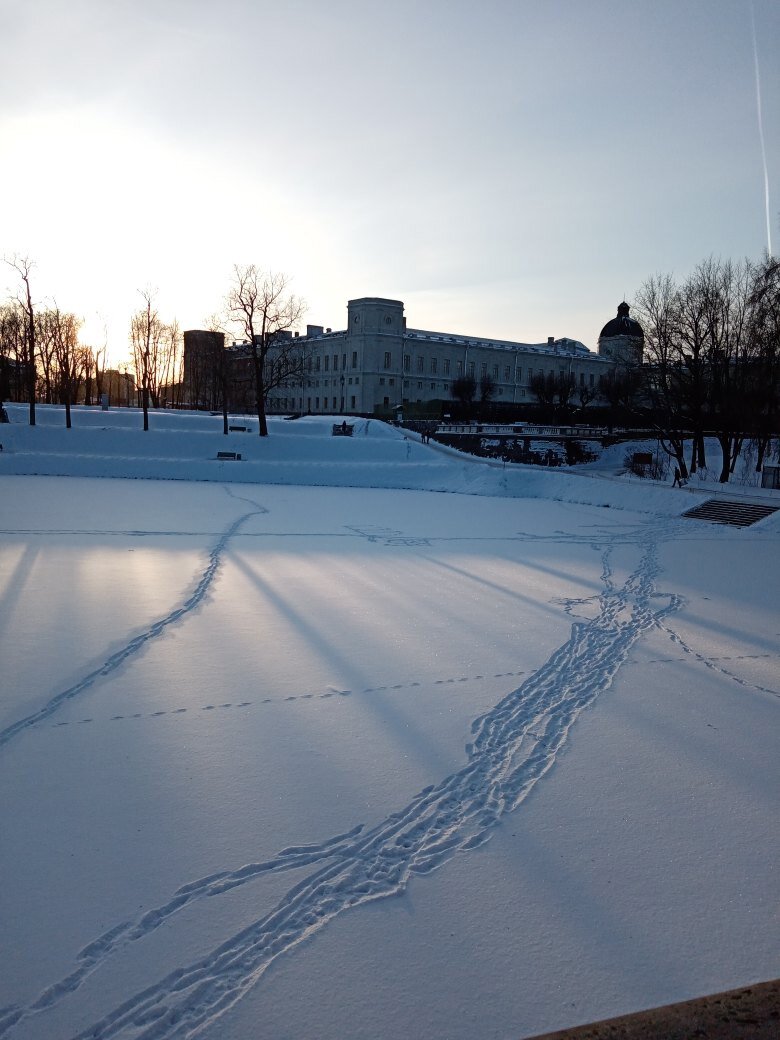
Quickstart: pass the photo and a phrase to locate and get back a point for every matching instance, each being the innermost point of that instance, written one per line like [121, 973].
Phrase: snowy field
[358, 738]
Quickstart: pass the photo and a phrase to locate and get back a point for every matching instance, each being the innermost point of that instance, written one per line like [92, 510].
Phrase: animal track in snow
[325, 695]
[138, 642]
[512, 747]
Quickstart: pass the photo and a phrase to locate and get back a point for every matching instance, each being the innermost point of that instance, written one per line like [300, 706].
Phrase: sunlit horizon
[512, 172]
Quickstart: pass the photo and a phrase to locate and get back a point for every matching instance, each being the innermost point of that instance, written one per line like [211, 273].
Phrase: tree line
[711, 360]
[42, 360]
[710, 367]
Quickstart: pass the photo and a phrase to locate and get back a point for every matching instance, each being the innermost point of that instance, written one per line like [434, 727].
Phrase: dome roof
[622, 325]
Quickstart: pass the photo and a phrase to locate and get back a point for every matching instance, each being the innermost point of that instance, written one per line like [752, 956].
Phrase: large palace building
[377, 363]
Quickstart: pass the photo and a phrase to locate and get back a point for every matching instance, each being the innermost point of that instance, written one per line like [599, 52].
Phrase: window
[419, 386]
[327, 360]
[352, 399]
[483, 369]
[433, 386]
[446, 366]
[591, 379]
[495, 371]
[350, 380]
[420, 364]
[334, 402]
[381, 380]
[335, 362]
[386, 401]
[388, 320]
[344, 362]
[316, 404]
[387, 360]
[507, 373]
[357, 380]
[407, 362]
[582, 379]
[354, 359]
[317, 363]
[434, 366]
[471, 369]
[391, 381]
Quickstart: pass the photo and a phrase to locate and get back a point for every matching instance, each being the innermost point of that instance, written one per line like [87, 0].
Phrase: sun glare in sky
[508, 169]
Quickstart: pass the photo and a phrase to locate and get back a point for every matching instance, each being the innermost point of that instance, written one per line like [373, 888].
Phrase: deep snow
[239, 712]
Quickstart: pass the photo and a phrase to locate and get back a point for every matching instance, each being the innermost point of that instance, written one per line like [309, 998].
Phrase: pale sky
[508, 168]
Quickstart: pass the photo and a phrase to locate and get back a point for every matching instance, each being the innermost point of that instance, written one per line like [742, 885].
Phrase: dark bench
[342, 429]
[229, 456]
[238, 429]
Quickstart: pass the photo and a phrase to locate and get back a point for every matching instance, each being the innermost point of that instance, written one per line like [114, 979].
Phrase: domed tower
[622, 339]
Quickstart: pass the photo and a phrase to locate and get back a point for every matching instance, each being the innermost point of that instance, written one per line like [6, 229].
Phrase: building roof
[564, 346]
[622, 325]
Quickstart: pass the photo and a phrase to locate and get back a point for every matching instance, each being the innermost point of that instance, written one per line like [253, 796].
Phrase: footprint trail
[512, 747]
[138, 642]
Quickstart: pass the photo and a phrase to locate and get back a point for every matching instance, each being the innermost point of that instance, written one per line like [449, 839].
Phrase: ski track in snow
[138, 642]
[513, 746]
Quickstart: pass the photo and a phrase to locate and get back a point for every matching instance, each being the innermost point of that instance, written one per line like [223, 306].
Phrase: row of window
[335, 382]
[329, 404]
[330, 362]
[323, 363]
[444, 386]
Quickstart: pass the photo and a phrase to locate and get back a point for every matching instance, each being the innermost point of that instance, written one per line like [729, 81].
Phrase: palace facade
[378, 364]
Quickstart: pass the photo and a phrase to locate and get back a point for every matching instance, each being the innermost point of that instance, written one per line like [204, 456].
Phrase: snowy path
[513, 746]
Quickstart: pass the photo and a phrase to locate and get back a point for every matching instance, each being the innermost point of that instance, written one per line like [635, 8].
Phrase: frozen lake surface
[337, 762]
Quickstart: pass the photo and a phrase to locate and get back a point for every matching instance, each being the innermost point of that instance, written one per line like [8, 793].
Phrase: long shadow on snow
[513, 747]
[138, 642]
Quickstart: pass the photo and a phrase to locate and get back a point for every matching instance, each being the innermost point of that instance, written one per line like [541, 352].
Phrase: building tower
[622, 339]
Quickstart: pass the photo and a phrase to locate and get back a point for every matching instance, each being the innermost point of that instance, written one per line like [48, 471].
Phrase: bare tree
[156, 354]
[487, 388]
[23, 267]
[544, 388]
[100, 354]
[554, 393]
[260, 305]
[765, 326]
[703, 357]
[13, 351]
[657, 306]
[167, 369]
[584, 395]
[566, 385]
[144, 334]
[464, 390]
[69, 357]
